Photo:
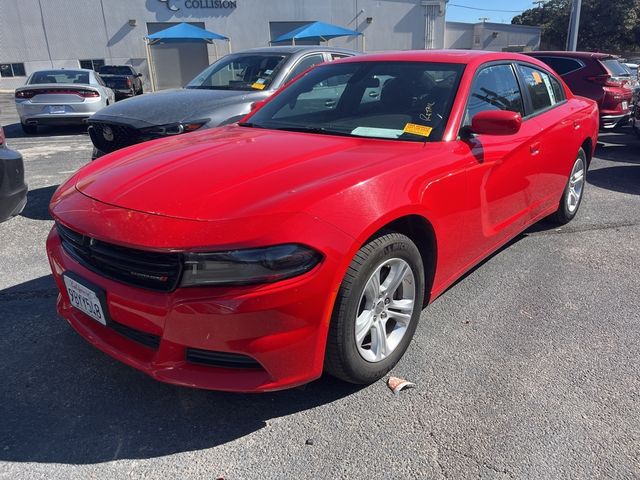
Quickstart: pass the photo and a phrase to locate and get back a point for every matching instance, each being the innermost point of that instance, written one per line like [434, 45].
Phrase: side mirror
[496, 122]
[139, 75]
[257, 105]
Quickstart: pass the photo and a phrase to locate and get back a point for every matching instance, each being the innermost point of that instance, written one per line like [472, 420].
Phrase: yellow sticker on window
[416, 129]
[258, 86]
[537, 77]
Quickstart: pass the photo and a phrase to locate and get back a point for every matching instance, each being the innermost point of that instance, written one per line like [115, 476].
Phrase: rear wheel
[573, 191]
[377, 309]
[29, 129]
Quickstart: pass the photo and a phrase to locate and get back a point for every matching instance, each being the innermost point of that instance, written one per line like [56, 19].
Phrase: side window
[303, 64]
[337, 56]
[540, 87]
[561, 65]
[494, 88]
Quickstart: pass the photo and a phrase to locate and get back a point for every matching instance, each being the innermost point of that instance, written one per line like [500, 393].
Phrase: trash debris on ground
[309, 441]
[398, 384]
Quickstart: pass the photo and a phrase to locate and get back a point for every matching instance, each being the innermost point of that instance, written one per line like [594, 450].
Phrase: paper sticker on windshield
[268, 72]
[258, 86]
[416, 129]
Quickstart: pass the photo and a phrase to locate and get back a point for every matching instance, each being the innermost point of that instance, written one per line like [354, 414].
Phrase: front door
[499, 178]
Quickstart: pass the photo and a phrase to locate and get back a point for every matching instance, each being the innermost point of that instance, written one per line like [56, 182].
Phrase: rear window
[60, 76]
[614, 66]
[115, 70]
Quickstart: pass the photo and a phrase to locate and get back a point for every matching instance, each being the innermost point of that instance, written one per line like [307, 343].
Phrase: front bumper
[13, 189]
[279, 328]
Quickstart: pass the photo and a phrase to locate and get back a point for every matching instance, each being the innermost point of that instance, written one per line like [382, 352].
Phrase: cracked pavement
[527, 368]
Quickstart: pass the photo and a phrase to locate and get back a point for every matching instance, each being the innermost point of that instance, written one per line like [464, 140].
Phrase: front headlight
[251, 266]
[173, 128]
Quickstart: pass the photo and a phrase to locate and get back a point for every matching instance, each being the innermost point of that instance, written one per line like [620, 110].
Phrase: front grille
[140, 268]
[147, 339]
[110, 137]
[221, 359]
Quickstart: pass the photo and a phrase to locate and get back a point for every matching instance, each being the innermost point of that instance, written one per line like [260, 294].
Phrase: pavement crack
[480, 463]
[579, 229]
[28, 295]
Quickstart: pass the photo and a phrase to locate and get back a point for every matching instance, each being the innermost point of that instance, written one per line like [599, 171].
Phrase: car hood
[170, 106]
[236, 172]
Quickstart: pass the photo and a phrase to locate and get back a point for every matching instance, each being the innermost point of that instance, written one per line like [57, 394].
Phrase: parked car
[598, 76]
[635, 123]
[634, 82]
[223, 93]
[122, 79]
[61, 97]
[13, 189]
[309, 236]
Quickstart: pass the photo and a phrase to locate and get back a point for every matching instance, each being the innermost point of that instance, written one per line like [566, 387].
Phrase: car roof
[571, 54]
[438, 56]
[292, 49]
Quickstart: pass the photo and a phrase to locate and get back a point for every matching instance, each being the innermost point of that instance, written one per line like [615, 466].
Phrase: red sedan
[309, 237]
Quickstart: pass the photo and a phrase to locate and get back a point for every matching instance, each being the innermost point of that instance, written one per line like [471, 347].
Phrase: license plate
[85, 299]
[56, 109]
[625, 105]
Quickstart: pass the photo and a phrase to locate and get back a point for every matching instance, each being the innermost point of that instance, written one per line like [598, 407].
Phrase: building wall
[500, 36]
[459, 35]
[57, 33]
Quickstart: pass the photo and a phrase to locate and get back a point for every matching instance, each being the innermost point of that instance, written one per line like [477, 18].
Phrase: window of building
[494, 88]
[544, 90]
[93, 64]
[12, 70]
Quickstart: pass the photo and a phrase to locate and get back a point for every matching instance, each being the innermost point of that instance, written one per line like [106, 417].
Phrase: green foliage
[605, 25]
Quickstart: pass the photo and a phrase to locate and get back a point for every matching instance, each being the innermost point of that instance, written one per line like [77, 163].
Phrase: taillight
[25, 94]
[87, 93]
[129, 82]
[605, 80]
[57, 91]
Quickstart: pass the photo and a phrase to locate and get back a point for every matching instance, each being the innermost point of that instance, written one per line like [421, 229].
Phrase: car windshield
[240, 72]
[390, 100]
[115, 70]
[60, 76]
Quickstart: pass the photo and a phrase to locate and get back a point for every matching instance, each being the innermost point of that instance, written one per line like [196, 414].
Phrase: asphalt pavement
[527, 368]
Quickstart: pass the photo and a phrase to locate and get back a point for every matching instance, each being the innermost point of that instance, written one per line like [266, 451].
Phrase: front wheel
[377, 309]
[573, 191]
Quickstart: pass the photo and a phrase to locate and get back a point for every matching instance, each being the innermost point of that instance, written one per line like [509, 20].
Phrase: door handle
[373, 94]
[534, 148]
[329, 103]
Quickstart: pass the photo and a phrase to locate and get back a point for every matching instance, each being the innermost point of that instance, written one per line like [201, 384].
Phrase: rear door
[558, 144]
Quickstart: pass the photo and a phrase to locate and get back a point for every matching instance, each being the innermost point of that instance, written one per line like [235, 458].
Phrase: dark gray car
[223, 93]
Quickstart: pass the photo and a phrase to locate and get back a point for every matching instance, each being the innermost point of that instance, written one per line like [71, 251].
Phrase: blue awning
[318, 31]
[184, 32]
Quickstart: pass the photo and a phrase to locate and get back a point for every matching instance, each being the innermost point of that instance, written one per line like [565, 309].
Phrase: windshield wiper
[250, 124]
[321, 130]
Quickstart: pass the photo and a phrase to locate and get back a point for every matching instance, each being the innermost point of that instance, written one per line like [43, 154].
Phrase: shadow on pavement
[619, 147]
[38, 200]
[62, 401]
[14, 130]
[624, 178]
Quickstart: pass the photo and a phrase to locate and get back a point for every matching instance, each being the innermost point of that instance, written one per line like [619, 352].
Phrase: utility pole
[574, 25]
[540, 4]
[483, 19]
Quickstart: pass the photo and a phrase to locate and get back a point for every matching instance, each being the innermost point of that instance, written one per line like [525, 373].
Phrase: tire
[360, 358]
[29, 129]
[573, 191]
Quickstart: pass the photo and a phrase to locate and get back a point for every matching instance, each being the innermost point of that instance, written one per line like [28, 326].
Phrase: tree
[605, 25]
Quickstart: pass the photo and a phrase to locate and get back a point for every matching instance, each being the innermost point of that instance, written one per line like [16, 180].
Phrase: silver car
[223, 93]
[61, 97]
